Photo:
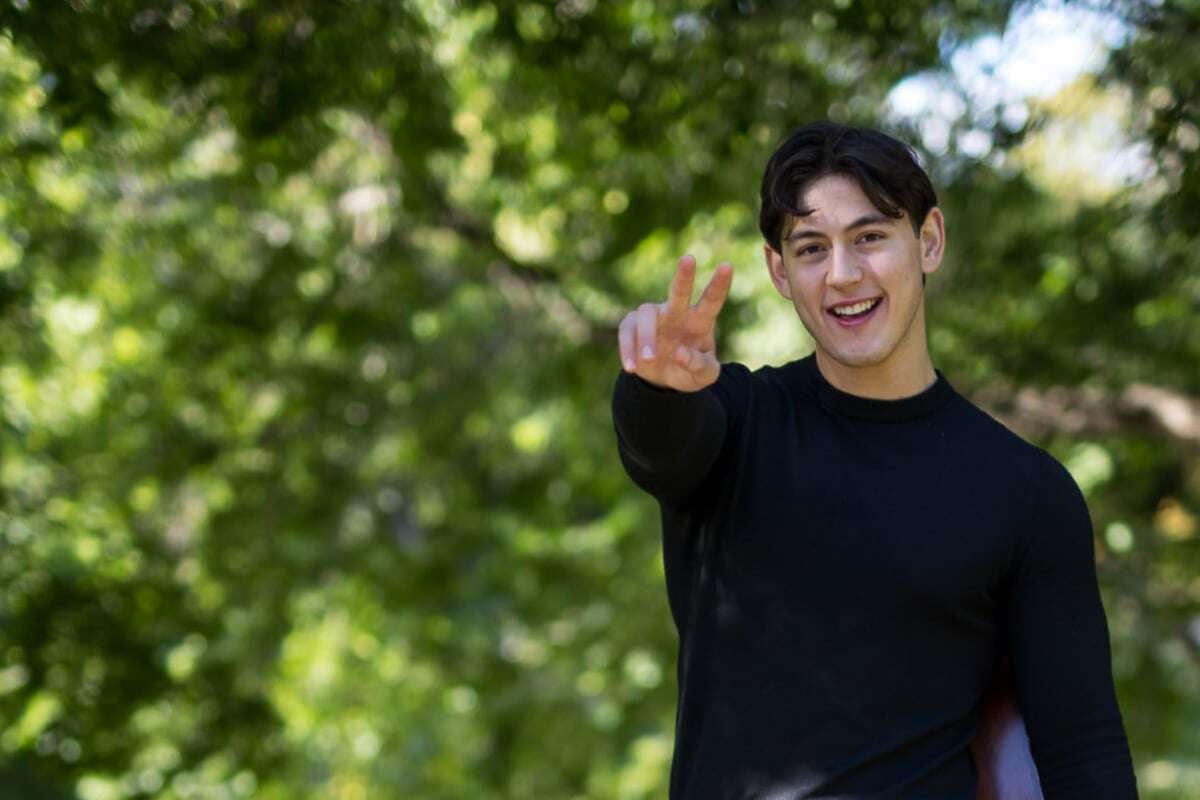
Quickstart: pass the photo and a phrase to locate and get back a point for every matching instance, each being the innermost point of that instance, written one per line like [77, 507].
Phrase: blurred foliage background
[308, 485]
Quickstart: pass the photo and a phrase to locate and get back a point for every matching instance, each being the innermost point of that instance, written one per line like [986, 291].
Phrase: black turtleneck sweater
[844, 574]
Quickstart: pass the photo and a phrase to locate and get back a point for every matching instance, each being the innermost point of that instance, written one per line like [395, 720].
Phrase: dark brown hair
[885, 168]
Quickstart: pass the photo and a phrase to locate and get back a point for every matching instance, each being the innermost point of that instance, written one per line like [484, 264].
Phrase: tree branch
[1139, 409]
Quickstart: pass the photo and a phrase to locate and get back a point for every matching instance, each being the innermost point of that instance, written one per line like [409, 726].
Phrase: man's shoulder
[764, 376]
[738, 377]
[999, 444]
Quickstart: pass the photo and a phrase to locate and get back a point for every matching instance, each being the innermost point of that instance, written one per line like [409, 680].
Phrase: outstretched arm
[669, 416]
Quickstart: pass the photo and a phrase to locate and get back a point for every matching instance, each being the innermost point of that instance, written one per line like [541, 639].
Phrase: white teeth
[854, 309]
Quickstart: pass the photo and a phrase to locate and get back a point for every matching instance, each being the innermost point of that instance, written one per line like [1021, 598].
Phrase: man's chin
[853, 359]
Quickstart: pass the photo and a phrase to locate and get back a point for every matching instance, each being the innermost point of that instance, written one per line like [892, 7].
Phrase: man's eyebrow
[861, 222]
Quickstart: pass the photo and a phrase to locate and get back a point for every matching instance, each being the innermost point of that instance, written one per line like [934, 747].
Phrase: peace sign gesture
[671, 344]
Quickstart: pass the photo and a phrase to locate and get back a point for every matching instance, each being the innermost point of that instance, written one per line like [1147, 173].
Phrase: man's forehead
[836, 193]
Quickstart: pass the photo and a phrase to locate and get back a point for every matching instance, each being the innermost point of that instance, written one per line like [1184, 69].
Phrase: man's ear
[933, 240]
[777, 270]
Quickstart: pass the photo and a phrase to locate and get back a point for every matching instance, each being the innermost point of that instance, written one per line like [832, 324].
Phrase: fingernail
[647, 352]
[629, 365]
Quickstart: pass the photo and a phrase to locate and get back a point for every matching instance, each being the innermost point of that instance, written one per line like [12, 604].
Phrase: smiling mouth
[859, 316]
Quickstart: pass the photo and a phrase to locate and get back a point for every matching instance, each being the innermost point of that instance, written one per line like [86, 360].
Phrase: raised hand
[672, 344]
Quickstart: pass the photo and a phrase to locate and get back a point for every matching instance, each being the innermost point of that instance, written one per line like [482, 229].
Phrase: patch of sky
[1046, 46]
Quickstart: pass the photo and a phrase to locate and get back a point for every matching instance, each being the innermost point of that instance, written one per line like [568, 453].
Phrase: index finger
[680, 296]
[715, 292]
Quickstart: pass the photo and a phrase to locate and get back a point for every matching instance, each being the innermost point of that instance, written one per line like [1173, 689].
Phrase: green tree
[308, 485]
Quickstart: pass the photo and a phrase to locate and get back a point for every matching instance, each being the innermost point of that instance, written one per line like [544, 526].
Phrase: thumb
[698, 362]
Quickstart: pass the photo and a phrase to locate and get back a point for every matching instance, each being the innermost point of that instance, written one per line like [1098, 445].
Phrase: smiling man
[852, 549]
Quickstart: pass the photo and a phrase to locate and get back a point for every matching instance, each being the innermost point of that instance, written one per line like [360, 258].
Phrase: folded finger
[693, 360]
[626, 343]
[647, 324]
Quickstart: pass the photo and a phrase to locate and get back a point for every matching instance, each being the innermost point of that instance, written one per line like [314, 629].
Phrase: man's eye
[871, 237]
[812, 249]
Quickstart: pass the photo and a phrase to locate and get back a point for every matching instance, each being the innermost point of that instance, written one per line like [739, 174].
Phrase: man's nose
[844, 269]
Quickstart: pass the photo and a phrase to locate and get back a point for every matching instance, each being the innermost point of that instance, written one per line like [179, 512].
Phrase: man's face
[847, 250]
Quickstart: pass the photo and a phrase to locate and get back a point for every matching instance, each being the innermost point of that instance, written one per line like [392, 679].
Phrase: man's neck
[891, 380]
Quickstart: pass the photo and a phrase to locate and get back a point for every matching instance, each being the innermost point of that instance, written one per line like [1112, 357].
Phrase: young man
[852, 548]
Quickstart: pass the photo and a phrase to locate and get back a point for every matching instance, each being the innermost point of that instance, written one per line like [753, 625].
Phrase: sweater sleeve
[669, 441]
[1058, 640]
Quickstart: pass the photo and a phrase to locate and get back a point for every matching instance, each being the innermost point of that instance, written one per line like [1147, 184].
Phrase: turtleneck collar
[845, 404]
